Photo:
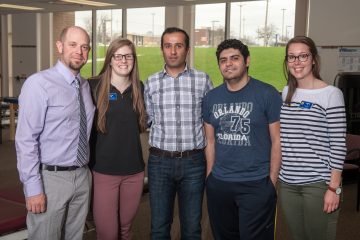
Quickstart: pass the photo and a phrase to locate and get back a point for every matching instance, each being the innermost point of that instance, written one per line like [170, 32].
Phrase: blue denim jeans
[171, 176]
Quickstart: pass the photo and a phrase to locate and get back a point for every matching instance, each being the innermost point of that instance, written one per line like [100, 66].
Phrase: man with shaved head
[55, 118]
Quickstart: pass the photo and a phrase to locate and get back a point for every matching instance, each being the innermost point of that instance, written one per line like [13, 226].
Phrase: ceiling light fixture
[19, 7]
[91, 3]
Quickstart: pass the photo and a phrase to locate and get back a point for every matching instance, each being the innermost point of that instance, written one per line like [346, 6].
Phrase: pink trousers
[116, 200]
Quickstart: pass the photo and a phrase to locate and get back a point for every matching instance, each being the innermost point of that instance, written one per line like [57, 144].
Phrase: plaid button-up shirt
[173, 106]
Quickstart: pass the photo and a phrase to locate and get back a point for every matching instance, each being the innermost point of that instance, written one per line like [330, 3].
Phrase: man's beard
[236, 79]
[76, 67]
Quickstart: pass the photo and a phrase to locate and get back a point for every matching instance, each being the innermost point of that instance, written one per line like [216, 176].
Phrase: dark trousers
[241, 210]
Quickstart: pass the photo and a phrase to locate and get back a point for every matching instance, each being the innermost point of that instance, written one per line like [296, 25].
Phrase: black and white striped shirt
[313, 131]
[173, 106]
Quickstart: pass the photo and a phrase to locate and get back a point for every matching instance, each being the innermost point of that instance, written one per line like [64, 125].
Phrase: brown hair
[103, 88]
[291, 80]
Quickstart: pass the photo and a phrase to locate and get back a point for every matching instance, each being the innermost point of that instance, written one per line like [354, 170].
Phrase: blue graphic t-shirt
[241, 121]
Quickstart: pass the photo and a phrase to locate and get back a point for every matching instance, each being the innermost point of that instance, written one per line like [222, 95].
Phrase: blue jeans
[171, 176]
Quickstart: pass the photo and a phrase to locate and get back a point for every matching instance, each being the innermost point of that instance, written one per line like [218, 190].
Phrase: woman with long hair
[313, 130]
[118, 166]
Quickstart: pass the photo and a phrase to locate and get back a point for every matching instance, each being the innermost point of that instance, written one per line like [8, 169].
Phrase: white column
[44, 50]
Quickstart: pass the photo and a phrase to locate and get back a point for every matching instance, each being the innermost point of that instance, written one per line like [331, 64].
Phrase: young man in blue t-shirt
[243, 151]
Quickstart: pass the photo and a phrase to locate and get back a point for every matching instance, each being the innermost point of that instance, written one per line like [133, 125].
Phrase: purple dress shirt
[48, 124]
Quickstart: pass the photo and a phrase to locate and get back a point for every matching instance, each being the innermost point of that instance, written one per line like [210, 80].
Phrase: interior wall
[333, 24]
[301, 18]
[329, 64]
[60, 21]
[4, 56]
[44, 36]
[24, 50]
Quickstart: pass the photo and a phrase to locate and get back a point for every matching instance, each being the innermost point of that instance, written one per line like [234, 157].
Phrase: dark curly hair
[232, 43]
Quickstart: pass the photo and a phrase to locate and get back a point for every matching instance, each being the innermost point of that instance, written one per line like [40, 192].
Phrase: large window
[144, 31]
[108, 27]
[209, 32]
[265, 26]
[144, 28]
[84, 20]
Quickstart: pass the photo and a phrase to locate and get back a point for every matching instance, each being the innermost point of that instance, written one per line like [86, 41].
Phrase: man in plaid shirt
[176, 162]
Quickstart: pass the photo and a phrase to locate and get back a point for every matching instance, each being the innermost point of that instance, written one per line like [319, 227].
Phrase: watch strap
[334, 190]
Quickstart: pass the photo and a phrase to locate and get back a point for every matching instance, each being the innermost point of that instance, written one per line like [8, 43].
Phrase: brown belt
[162, 153]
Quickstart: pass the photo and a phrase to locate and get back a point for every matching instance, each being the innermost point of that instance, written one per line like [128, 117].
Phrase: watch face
[338, 191]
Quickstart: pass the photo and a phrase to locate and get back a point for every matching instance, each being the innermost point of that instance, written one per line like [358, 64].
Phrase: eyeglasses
[119, 57]
[302, 57]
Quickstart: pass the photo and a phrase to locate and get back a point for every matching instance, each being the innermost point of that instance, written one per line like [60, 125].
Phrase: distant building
[205, 37]
[138, 40]
[202, 37]
[144, 40]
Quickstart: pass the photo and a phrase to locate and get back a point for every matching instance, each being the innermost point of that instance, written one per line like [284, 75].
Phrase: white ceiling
[59, 6]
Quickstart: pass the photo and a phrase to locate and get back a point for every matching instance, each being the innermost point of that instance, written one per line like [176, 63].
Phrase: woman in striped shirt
[313, 130]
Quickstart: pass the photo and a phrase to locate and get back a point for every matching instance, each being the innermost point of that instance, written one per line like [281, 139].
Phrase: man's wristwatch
[335, 190]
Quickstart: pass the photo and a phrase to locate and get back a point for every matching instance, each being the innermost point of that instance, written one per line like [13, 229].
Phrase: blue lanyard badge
[306, 105]
[112, 96]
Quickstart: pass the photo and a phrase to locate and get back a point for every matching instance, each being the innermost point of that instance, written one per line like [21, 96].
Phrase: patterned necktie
[81, 156]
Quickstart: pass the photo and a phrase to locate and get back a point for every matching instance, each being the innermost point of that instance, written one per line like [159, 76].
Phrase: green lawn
[265, 65]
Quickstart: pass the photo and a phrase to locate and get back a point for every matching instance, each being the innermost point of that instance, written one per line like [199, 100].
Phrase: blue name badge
[306, 105]
[112, 96]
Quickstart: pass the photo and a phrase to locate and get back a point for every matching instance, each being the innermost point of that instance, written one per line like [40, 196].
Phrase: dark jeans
[241, 210]
[171, 176]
